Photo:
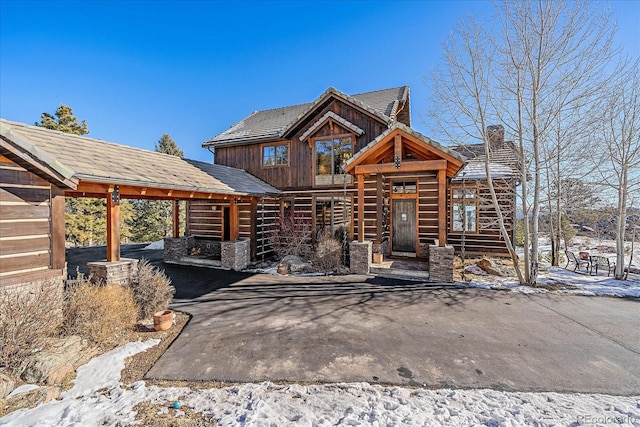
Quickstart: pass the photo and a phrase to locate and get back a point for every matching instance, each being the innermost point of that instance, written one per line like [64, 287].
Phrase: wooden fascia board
[97, 189]
[45, 172]
[433, 149]
[412, 166]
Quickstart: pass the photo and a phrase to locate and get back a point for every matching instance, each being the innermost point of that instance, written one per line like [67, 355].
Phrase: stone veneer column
[113, 273]
[360, 256]
[235, 254]
[440, 263]
[177, 247]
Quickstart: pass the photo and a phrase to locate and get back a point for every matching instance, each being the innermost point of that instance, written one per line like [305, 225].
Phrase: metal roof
[93, 160]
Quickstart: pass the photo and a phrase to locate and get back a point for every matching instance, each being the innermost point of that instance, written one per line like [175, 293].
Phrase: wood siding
[25, 222]
[488, 239]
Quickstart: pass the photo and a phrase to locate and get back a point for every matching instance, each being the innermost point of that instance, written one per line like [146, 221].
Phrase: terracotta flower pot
[162, 320]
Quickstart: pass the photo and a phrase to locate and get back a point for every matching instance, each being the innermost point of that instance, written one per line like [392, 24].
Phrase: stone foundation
[113, 273]
[360, 256]
[235, 254]
[441, 263]
[207, 247]
[176, 248]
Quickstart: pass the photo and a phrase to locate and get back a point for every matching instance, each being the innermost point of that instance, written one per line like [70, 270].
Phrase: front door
[403, 224]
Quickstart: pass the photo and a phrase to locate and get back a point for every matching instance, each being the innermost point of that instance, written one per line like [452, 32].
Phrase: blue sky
[136, 70]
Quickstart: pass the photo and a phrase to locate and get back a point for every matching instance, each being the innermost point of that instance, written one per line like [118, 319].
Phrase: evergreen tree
[167, 145]
[152, 219]
[64, 121]
[85, 218]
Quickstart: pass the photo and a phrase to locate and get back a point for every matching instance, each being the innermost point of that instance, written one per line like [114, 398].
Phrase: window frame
[314, 159]
[275, 146]
[468, 201]
[351, 220]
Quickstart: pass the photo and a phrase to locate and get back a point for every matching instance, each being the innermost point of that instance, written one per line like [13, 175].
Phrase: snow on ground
[98, 398]
[155, 245]
[559, 280]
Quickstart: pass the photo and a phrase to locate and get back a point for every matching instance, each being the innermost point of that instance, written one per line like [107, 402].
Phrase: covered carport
[101, 169]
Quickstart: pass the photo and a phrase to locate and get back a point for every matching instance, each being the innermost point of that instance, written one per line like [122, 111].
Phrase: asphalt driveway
[357, 328]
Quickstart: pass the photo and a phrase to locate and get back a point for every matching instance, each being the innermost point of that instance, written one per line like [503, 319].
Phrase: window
[275, 155]
[404, 187]
[330, 155]
[332, 214]
[464, 209]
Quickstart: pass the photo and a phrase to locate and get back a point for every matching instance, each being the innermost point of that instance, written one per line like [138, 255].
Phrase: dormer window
[275, 155]
[330, 155]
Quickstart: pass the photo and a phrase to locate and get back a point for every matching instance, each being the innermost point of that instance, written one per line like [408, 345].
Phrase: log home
[353, 166]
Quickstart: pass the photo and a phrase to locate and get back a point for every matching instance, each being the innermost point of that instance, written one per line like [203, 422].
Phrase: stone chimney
[495, 135]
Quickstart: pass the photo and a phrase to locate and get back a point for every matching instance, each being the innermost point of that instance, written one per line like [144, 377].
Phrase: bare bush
[28, 317]
[152, 290]
[292, 236]
[328, 255]
[98, 313]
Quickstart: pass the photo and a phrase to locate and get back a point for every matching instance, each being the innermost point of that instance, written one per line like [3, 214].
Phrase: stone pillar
[113, 273]
[176, 248]
[440, 263]
[360, 256]
[235, 254]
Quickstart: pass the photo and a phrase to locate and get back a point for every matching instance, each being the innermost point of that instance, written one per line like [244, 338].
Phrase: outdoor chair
[602, 263]
[572, 258]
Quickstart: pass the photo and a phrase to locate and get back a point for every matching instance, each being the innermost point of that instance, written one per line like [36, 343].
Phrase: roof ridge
[73, 135]
[380, 90]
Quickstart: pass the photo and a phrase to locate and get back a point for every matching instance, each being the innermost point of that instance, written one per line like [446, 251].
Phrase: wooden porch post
[379, 208]
[176, 218]
[360, 208]
[442, 207]
[234, 220]
[113, 227]
[57, 228]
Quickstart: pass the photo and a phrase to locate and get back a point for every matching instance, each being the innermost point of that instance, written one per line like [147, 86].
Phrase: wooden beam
[57, 228]
[379, 207]
[412, 166]
[397, 147]
[113, 229]
[176, 218]
[234, 220]
[442, 208]
[360, 208]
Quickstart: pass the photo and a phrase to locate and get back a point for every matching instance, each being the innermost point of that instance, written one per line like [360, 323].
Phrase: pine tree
[64, 121]
[152, 219]
[85, 218]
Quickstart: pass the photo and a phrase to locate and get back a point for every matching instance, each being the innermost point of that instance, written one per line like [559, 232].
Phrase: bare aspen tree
[546, 60]
[619, 135]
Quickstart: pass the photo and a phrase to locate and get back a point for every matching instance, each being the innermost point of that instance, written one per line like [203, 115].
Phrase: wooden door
[403, 225]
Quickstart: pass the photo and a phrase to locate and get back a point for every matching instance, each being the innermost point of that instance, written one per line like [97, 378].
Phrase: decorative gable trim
[336, 118]
[333, 92]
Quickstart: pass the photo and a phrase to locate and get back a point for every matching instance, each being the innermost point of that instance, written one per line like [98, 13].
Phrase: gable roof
[274, 124]
[93, 160]
[428, 148]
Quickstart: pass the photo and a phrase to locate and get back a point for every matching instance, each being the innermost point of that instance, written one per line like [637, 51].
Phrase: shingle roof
[500, 153]
[105, 162]
[274, 123]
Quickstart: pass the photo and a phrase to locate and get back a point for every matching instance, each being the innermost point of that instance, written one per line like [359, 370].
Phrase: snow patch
[155, 245]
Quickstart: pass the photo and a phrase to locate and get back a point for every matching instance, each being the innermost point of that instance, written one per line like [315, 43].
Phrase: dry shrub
[97, 312]
[292, 236]
[328, 254]
[152, 290]
[28, 317]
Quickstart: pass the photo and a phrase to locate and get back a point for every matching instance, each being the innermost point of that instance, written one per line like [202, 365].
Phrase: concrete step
[397, 273]
[197, 262]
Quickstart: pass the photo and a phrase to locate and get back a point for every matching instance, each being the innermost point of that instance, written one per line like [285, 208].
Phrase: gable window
[464, 209]
[275, 155]
[330, 155]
